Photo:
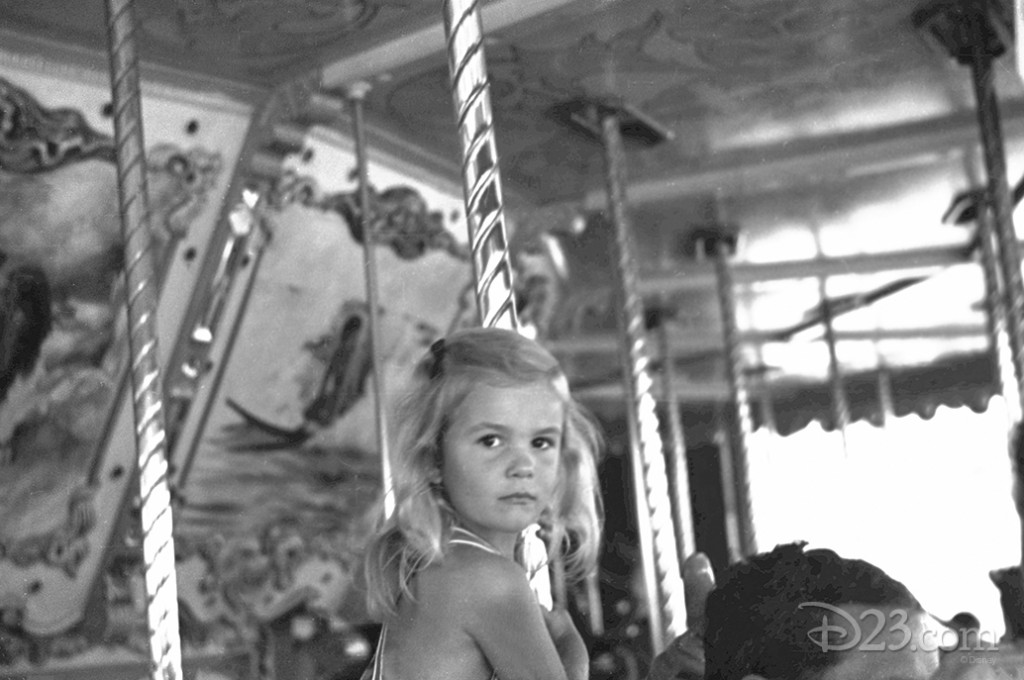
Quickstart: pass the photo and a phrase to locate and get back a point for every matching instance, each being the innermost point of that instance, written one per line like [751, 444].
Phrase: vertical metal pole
[740, 426]
[1018, 29]
[994, 301]
[356, 97]
[768, 418]
[886, 407]
[676, 461]
[995, 315]
[733, 544]
[983, 79]
[663, 580]
[481, 186]
[595, 611]
[840, 406]
[147, 388]
[481, 178]
[767, 405]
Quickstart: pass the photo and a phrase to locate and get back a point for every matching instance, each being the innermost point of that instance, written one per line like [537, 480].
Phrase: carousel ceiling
[831, 135]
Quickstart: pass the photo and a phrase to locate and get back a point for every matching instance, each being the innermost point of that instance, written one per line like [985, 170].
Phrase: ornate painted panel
[281, 488]
[278, 489]
[62, 591]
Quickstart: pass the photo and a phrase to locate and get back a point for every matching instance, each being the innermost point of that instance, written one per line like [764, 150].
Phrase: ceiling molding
[838, 156]
[393, 153]
[368, 61]
[700, 275]
[685, 345]
[41, 55]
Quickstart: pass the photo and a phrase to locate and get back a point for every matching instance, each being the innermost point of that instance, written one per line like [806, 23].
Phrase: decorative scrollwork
[179, 182]
[53, 417]
[303, 19]
[65, 547]
[36, 139]
[402, 219]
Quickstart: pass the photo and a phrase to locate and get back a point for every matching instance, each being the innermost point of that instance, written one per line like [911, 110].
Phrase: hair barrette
[437, 351]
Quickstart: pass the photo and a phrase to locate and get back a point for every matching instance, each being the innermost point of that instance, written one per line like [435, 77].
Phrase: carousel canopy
[829, 139]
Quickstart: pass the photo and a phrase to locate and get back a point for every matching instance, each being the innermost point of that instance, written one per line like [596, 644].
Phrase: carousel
[772, 242]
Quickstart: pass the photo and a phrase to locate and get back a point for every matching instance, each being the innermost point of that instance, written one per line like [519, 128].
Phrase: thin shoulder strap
[462, 536]
[378, 657]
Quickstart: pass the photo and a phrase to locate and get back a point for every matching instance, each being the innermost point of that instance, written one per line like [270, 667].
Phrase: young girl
[490, 444]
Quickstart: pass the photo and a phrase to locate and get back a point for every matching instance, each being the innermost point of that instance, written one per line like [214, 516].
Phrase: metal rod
[666, 599]
[1009, 254]
[733, 541]
[764, 398]
[994, 302]
[208, 382]
[768, 419]
[356, 97]
[676, 460]
[886, 406]
[840, 406]
[595, 611]
[983, 79]
[191, 391]
[739, 422]
[995, 315]
[147, 388]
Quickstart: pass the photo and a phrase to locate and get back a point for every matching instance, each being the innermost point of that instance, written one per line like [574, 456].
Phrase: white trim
[78, 64]
[379, 154]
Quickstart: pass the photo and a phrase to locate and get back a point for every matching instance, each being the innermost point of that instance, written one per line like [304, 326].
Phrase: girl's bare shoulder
[473, 577]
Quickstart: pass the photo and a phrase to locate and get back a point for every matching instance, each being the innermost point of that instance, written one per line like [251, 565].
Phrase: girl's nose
[521, 464]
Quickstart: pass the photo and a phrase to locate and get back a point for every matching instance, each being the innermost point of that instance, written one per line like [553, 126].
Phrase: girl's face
[501, 456]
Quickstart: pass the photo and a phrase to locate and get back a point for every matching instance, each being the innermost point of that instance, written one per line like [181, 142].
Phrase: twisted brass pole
[492, 269]
[485, 222]
[740, 426]
[1006, 245]
[147, 397]
[1008, 250]
[995, 313]
[666, 599]
[676, 460]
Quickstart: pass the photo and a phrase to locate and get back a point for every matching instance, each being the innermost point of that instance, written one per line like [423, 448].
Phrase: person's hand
[683, 658]
[569, 643]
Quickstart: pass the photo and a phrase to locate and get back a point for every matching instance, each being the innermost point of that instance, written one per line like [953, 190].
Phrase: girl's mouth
[521, 497]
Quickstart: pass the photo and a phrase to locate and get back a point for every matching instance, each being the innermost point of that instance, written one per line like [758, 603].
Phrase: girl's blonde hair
[417, 532]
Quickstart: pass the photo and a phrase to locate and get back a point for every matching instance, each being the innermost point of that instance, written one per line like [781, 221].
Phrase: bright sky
[927, 500]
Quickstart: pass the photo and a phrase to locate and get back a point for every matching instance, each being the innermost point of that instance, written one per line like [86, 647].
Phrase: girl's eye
[490, 440]
[543, 443]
